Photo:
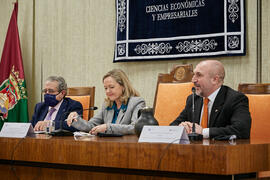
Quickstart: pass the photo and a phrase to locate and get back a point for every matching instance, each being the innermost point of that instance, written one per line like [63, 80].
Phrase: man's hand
[188, 127]
[41, 125]
[198, 128]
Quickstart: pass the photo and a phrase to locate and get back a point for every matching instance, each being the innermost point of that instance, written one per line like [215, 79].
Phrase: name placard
[16, 130]
[164, 134]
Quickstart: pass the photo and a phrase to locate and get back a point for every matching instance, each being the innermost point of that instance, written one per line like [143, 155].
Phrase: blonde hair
[121, 78]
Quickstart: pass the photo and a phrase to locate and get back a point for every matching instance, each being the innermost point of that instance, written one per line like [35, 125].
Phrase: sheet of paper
[15, 130]
[39, 132]
[82, 134]
[164, 134]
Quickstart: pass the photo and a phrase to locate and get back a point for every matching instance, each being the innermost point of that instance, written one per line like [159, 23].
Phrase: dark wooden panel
[124, 152]
[253, 88]
[53, 172]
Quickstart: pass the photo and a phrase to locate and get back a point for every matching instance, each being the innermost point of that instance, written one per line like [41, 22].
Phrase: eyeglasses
[49, 91]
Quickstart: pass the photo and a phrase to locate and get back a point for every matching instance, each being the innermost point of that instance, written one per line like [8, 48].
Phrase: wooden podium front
[47, 157]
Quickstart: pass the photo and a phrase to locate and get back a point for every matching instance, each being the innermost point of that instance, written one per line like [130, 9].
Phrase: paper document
[39, 132]
[82, 134]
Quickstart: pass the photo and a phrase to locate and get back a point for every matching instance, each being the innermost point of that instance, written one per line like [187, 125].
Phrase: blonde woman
[119, 111]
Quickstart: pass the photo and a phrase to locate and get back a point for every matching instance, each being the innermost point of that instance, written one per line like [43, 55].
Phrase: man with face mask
[56, 106]
[219, 110]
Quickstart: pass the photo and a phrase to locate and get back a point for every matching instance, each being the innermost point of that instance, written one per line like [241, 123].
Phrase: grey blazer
[125, 121]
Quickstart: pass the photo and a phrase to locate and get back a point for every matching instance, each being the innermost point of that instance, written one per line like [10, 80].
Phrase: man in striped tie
[219, 111]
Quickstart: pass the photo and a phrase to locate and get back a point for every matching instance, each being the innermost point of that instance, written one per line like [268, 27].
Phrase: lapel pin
[216, 110]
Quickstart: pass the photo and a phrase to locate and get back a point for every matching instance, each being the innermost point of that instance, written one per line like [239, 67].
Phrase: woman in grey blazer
[119, 111]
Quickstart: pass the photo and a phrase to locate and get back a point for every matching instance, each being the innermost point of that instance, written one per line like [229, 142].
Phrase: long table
[47, 157]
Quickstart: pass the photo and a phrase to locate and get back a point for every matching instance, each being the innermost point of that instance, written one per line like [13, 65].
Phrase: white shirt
[211, 98]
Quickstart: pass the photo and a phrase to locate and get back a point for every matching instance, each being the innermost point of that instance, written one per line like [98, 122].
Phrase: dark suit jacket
[68, 105]
[229, 115]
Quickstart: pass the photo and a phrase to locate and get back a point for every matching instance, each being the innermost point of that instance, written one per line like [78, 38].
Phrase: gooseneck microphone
[91, 108]
[193, 136]
[193, 109]
[63, 132]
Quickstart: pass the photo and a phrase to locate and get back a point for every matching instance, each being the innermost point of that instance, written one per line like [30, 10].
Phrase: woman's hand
[100, 128]
[71, 117]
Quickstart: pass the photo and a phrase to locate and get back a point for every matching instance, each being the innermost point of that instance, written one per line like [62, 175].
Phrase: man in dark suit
[56, 106]
[226, 110]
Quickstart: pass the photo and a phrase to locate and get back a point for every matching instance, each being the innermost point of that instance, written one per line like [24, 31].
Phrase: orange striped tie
[204, 122]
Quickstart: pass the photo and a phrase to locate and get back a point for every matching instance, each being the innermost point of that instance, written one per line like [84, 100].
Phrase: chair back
[86, 96]
[171, 93]
[259, 107]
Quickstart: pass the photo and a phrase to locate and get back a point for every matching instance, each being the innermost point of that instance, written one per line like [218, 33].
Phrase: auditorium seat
[171, 93]
[86, 96]
[259, 106]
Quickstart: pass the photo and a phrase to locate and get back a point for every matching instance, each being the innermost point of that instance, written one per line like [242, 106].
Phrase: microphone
[63, 132]
[193, 136]
[193, 108]
[91, 108]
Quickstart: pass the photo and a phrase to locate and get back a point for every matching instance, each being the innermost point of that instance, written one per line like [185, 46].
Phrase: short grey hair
[62, 85]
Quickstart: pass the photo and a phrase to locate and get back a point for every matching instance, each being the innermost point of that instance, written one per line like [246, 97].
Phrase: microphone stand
[193, 136]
